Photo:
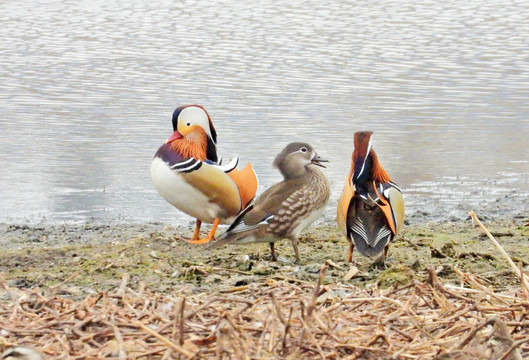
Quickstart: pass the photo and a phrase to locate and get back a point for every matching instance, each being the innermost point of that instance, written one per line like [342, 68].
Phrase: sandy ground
[93, 256]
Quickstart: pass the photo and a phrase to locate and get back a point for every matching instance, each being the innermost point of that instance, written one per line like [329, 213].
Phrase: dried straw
[524, 278]
[274, 319]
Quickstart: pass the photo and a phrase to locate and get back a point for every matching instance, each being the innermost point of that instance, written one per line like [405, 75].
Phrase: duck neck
[194, 145]
[368, 169]
[363, 170]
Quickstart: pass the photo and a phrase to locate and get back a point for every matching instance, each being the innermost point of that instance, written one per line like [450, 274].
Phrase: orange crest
[379, 174]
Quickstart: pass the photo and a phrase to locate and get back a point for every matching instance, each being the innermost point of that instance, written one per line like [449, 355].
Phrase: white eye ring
[188, 124]
[303, 149]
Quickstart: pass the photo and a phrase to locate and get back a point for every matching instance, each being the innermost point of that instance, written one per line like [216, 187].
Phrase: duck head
[295, 157]
[193, 133]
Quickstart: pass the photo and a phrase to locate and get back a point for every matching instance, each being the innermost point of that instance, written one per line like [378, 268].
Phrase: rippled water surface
[87, 90]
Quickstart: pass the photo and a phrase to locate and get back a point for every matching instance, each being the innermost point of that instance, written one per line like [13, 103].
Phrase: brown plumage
[287, 208]
[371, 209]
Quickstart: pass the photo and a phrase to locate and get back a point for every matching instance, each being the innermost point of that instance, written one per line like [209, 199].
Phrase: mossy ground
[162, 262]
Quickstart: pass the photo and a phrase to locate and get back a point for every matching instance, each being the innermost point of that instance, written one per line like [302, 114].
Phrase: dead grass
[275, 319]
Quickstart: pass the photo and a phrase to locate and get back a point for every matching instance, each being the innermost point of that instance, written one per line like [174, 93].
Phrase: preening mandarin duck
[371, 209]
[287, 208]
[187, 172]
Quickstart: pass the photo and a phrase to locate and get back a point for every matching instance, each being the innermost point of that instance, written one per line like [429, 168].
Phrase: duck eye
[188, 123]
[303, 149]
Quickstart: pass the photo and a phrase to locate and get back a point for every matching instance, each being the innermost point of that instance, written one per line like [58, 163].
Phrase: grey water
[87, 90]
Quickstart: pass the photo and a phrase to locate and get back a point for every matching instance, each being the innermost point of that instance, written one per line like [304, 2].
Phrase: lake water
[87, 90]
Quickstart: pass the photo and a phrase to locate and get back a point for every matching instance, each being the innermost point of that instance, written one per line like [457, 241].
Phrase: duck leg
[273, 251]
[386, 248]
[208, 238]
[196, 234]
[296, 250]
[351, 249]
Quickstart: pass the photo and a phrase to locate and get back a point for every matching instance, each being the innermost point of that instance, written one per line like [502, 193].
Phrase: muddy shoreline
[93, 256]
[420, 211]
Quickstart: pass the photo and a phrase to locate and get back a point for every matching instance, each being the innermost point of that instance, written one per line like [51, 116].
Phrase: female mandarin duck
[371, 208]
[287, 208]
[187, 173]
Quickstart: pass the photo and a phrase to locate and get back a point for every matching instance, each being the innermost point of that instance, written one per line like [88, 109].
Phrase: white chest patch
[179, 193]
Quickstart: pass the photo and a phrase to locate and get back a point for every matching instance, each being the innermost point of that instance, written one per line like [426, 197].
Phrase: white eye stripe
[365, 158]
[194, 115]
[298, 151]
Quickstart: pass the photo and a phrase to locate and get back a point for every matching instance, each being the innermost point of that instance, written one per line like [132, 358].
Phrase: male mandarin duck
[288, 207]
[371, 209]
[187, 172]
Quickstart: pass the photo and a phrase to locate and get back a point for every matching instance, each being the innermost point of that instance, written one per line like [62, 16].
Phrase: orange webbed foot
[200, 241]
[211, 236]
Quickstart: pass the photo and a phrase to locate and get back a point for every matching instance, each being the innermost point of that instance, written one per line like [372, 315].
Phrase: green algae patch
[395, 275]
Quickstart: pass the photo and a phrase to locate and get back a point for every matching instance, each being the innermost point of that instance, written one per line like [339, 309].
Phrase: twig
[123, 285]
[69, 278]
[182, 319]
[7, 289]
[523, 277]
[280, 315]
[435, 282]
[514, 346]
[311, 335]
[316, 293]
[474, 331]
[165, 340]
[221, 299]
[285, 334]
[122, 354]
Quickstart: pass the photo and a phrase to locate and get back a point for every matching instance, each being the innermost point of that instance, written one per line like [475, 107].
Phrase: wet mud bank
[93, 256]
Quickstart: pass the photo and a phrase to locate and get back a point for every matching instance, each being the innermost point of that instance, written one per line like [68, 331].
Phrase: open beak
[175, 136]
[317, 160]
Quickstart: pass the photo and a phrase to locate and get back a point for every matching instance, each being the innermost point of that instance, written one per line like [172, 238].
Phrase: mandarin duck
[288, 207]
[22, 353]
[187, 173]
[371, 209]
